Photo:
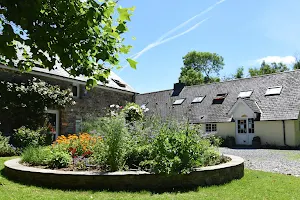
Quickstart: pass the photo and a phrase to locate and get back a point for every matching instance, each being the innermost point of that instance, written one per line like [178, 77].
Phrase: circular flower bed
[118, 144]
[125, 180]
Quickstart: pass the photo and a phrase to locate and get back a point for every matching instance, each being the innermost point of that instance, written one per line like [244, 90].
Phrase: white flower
[117, 106]
[143, 106]
[146, 110]
[112, 106]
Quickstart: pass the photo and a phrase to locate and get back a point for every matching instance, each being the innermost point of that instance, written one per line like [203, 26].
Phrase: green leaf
[125, 48]
[90, 83]
[132, 63]
[133, 38]
[124, 14]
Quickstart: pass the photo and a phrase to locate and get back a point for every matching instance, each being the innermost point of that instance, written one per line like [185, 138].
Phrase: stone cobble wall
[213, 175]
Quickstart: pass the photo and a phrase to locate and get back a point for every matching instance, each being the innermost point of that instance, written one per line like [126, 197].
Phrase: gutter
[284, 135]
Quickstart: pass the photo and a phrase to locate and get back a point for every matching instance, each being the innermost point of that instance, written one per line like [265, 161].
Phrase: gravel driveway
[279, 161]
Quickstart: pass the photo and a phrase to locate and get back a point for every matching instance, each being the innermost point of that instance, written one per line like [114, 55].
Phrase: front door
[53, 122]
[244, 131]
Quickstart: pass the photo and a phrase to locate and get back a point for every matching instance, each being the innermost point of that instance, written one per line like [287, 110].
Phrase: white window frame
[245, 94]
[78, 90]
[273, 91]
[178, 101]
[211, 127]
[198, 99]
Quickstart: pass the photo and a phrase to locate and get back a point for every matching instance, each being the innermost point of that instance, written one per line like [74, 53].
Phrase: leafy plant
[24, 104]
[116, 136]
[37, 155]
[84, 36]
[5, 148]
[59, 159]
[133, 112]
[24, 137]
[178, 148]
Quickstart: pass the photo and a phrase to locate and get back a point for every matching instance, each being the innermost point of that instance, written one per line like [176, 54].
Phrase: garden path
[269, 160]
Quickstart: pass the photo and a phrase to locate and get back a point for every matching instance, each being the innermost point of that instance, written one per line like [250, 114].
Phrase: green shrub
[136, 155]
[5, 148]
[59, 159]
[178, 148]
[37, 155]
[133, 112]
[216, 141]
[115, 136]
[24, 137]
[46, 156]
[99, 156]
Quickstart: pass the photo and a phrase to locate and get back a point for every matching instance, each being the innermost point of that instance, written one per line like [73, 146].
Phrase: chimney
[177, 89]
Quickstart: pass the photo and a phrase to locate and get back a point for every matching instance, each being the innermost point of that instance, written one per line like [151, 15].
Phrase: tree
[206, 63]
[85, 37]
[190, 76]
[239, 73]
[297, 62]
[268, 69]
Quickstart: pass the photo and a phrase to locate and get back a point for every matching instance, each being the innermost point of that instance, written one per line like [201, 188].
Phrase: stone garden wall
[128, 180]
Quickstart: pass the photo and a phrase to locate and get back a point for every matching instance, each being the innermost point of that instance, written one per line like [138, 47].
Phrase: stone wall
[125, 180]
[94, 102]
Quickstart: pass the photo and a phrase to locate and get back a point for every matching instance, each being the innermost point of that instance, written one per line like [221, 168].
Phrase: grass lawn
[254, 185]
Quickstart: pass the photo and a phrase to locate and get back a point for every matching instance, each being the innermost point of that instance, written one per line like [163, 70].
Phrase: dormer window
[245, 94]
[75, 90]
[119, 83]
[219, 98]
[198, 99]
[178, 101]
[273, 91]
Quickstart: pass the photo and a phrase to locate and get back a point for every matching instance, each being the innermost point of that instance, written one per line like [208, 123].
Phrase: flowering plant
[25, 103]
[78, 145]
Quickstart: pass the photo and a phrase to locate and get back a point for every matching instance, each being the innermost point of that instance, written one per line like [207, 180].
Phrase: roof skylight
[273, 90]
[245, 94]
[219, 98]
[119, 83]
[198, 99]
[178, 101]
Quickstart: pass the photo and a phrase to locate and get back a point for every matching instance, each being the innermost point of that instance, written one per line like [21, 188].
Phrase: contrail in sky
[164, 38]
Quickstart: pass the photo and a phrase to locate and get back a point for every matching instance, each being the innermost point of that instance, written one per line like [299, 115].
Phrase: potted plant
[230, 141]
[256, 143]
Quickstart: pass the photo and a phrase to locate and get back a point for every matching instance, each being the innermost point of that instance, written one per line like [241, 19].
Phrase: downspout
[284, 137]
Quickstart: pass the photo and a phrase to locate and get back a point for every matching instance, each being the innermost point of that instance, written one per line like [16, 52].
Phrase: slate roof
[277, 107]
[60, 72]
[252, 104]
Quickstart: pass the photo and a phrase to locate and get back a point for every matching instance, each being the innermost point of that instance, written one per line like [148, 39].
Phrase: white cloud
[288, 60]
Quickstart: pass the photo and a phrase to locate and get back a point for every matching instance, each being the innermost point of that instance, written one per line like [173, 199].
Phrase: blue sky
[242, 31]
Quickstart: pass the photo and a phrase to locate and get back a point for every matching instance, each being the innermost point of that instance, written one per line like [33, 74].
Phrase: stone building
[92, 102]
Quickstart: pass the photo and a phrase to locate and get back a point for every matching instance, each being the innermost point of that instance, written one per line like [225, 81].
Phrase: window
[219, 98]
[75, 90]
[251, 125]
[119, 83]
[78, 124]
[178, 101]
[245, 94]
[210, 128]
[273, 90]
[198, 99]
[242, 126]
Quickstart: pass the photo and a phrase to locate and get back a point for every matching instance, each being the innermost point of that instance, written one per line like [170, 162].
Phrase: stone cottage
[88, 103]
[266, 106]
